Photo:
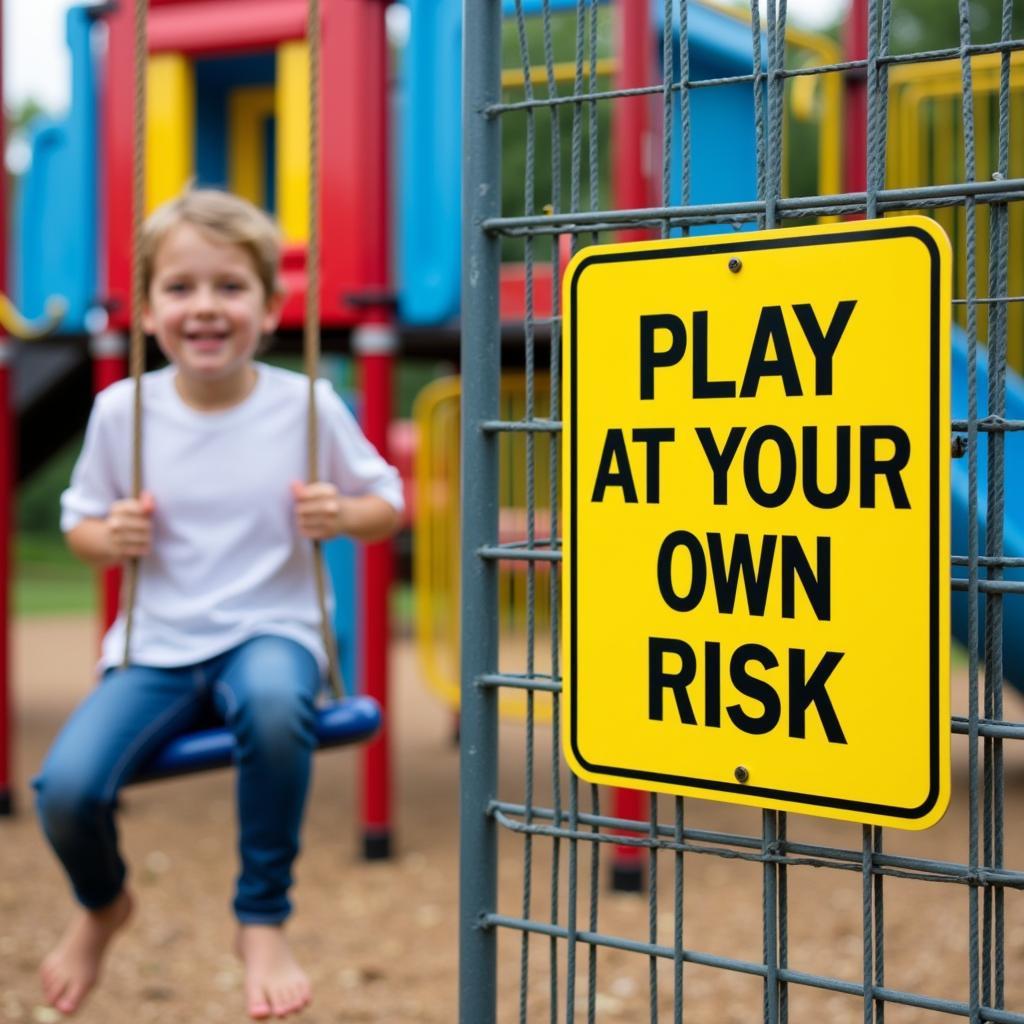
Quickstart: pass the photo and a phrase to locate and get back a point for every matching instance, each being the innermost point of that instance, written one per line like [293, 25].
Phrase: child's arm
[126, 532]
[359, 494]
[321, 513]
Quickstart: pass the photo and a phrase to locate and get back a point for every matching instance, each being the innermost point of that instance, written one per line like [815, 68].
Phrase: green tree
[919, 25]
[516, 125]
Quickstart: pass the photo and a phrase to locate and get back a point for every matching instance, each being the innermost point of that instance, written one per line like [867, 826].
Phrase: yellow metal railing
[436, 537]
[564, 72]
[926, 147]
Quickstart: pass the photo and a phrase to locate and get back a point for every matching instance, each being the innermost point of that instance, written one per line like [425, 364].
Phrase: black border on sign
[741, 245]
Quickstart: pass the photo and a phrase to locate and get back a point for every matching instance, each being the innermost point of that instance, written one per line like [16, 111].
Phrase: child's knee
[274, 705]
[65, 801]
[274, 715]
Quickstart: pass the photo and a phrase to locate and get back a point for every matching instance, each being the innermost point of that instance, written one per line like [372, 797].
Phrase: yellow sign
[756, 541]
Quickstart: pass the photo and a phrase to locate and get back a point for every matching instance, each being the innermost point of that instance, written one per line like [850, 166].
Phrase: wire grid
[541, 958]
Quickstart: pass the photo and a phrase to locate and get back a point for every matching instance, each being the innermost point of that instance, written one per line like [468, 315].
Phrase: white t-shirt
[227, 562]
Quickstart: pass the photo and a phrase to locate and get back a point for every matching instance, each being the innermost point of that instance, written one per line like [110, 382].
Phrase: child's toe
[71, 996]
[285, 1001]
[258, 1004]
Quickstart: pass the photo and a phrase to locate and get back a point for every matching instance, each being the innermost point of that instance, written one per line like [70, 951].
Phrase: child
[225, 611]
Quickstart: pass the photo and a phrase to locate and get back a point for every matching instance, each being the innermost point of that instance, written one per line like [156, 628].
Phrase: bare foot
[275, 985]
[73, 966]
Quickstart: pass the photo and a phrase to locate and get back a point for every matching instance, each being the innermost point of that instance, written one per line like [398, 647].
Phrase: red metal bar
[293, 276]
[354, 146]
[117, 105]
[7, 425]
[512, 295]
[632, 188]
[224, 26]
[355, 271]
[109, 362]
[375, 586]
[855, 43]
[632, 139]
[117, 111]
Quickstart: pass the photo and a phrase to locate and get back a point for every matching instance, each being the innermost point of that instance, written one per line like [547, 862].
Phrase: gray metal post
[481, 372]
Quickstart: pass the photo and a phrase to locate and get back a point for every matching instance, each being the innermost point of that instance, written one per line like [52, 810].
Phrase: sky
[36, 62]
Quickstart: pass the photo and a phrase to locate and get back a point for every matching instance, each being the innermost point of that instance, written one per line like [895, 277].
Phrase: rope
[311, 337]
[311, 345]
[137, 344]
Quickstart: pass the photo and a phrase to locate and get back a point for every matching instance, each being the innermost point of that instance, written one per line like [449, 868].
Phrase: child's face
[206, 306]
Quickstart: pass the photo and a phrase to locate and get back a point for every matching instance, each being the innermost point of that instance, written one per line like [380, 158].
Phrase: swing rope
[311, 338]
[137, 342]
[311, 335]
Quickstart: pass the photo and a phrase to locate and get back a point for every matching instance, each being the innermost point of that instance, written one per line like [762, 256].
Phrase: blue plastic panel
[724, 164]
[216, 77]
[1013, 520]
[56, 200]
[429, 170]
[344, 561]
[430, 113]
[344, 564]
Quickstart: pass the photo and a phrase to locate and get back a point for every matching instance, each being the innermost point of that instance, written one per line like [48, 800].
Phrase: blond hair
[225, 218]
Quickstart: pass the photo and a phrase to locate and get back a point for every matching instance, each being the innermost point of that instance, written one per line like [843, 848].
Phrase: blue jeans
[264, 689]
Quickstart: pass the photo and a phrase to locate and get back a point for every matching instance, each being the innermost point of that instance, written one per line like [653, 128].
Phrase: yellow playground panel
[249, 110]
[926, 148]
[437, 535]
[171, 130]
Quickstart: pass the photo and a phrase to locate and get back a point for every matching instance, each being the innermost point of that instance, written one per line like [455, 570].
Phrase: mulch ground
[380, 939]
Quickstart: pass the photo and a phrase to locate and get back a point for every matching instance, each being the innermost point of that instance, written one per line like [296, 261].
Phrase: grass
[48, 579]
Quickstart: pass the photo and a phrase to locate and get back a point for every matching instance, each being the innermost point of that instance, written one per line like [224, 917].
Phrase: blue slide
[1013, 520]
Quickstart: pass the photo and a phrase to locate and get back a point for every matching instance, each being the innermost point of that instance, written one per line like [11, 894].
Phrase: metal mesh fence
[746, 915]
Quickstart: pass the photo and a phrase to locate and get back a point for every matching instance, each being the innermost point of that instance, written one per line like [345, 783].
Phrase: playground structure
[203, 69]
[226, 107]
[645, 194]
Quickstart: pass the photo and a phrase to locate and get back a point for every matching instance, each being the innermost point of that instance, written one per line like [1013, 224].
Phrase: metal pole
[481, 372]
[7, 423]
[359, 31]
[855, 45]
[632, 184]
[374, 344]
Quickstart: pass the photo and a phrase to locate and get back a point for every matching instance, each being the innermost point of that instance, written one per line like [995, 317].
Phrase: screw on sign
[740, 478]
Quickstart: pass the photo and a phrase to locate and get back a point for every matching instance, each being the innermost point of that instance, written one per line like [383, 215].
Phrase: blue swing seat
[349, 720]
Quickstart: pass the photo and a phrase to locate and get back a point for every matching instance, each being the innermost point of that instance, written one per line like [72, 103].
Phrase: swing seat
[350, 720]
